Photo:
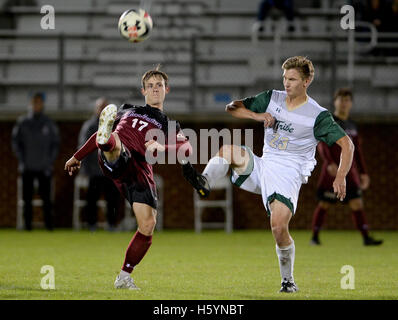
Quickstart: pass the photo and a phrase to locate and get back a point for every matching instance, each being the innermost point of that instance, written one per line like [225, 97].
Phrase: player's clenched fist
[72, 165]
[152, 145]
[267, 118]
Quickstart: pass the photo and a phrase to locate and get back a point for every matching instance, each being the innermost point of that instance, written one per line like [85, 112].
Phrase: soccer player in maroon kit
[357, 178]
[122, 149]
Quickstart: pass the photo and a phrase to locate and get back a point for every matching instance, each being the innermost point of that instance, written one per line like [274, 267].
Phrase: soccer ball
[135, 25]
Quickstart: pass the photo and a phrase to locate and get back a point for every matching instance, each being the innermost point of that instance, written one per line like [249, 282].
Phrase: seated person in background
[286, 6]
[375, 12]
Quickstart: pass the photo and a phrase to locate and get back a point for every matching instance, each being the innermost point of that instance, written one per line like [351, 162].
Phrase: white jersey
[293, 139]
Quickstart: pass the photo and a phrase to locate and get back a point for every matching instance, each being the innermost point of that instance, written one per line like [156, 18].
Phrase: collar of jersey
[296, 107]
[147, 105]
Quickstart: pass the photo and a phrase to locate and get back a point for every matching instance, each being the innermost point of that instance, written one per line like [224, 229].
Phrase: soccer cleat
[198, 181]
[288, 287]
[125, 283]
[315, 241]
[369, 241]
[105, 124]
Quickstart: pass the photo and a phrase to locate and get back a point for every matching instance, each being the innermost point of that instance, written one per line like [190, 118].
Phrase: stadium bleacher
[96, 60]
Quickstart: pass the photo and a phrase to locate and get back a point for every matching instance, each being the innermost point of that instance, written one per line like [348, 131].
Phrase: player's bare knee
[324, 205]
[151, 221]
[356, 204]
[279, 231]
[147, 226]
[225, 152]
[240, 157]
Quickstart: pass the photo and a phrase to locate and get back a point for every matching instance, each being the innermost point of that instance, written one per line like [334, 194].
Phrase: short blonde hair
[154, 73]
[302, 64]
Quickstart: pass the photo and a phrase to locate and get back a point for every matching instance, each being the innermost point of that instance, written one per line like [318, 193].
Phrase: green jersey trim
[326, 129]
[258, 103]
[281, 198]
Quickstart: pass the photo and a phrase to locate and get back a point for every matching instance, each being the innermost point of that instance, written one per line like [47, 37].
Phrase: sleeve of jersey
[326, 129]
[87, 148]
[358, 155]
[184, 146]
[258, 103]
[181, 142]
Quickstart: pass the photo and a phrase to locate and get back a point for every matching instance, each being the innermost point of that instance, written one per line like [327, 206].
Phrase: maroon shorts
[132, 175]
[328, 195]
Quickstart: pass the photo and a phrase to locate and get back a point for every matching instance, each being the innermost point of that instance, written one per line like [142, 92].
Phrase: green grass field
[185, 265]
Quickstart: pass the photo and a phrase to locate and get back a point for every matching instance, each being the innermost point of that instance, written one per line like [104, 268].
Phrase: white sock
[286, 261]
[216, 168]
[124, 274]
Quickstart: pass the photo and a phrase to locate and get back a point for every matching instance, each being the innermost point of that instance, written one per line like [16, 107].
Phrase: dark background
[380, 152]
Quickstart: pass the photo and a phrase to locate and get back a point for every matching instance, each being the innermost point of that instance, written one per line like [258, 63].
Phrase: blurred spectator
[357, 179]
[7, 17]
[98, 183]
[375, 12]
[35, 141]
[286, 6]
[391, 17]
[391, 25]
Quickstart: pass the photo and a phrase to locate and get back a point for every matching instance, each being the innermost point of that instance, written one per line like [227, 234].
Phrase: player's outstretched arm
[181, 145]
[347, 154]
[72, 165]
[238, 110]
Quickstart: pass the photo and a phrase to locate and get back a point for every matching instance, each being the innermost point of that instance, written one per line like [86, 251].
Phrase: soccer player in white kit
[294, 124]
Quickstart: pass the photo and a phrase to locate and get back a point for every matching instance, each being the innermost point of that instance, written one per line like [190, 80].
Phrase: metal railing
[364, 47]
[278, 38]
[59, 45]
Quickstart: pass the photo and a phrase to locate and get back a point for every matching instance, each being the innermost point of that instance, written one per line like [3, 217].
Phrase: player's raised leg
[198, 181]
[107, 140]
[217, 167]
[285, 249]
[228, 155]
[138, 246]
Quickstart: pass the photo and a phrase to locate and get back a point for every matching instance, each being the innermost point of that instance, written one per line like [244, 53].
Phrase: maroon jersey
[131, 173]
[332, 155]
[133, 122]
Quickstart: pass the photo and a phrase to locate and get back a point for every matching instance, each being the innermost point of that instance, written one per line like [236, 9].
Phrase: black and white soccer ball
[135, 25]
